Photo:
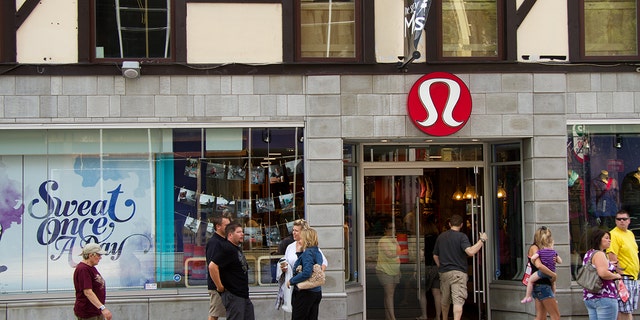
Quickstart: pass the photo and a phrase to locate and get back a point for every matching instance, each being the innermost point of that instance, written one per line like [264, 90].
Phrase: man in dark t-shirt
[216, 308]
[230, 273]
[450, 254]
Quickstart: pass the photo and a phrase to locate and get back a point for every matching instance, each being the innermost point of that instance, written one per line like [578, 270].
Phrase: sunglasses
[622, 219]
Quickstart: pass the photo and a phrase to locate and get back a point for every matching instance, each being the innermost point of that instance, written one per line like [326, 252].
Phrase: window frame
[364, 26]
[576, 35]
[86, 35]
[506, 35]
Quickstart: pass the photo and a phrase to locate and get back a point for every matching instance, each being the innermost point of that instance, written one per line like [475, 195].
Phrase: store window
[327, 29]
[608, 29]
[508, 214]
[350, 210]
[603, 177]
[132, 29]
[147, 196]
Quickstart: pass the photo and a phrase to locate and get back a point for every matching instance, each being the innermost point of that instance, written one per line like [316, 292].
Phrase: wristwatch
[483, 240]
[102, 307]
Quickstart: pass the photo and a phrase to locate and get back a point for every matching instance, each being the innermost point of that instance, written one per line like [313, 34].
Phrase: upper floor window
[469, 29]
[608, 30]
[138, 29]
[327, 29]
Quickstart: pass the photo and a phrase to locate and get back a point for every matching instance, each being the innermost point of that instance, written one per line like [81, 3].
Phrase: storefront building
[136, 138]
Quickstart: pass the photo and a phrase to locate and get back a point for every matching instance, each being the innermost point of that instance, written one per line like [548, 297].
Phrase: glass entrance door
[404, 213]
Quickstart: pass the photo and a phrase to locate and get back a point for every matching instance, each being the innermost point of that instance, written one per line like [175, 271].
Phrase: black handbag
[588, 277]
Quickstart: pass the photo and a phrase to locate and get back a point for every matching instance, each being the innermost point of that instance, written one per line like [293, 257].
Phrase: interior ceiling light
[501, 193]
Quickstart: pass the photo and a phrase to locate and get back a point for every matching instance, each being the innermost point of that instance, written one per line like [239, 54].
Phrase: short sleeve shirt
[88, 277]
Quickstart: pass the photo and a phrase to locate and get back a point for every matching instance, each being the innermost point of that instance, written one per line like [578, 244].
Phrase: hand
[483, 236]
[107, 314]
[288, 284]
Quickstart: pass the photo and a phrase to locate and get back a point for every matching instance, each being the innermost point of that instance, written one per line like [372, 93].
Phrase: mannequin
[630, 197]
[577, 217]
[604, 199]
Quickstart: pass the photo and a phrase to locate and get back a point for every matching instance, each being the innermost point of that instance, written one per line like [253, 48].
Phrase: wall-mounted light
[618, 143]
[131, 69]
[301, 137]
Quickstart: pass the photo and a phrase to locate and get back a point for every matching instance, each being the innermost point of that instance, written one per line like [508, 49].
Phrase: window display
[147, 197]
[602, 178]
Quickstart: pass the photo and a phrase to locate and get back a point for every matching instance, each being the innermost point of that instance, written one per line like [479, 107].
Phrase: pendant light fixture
[501, 193]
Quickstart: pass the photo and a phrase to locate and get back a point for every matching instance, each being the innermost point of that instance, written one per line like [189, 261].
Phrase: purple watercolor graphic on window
[11, 206]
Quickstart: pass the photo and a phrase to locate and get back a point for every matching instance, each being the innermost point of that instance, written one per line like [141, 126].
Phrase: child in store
[549, 257]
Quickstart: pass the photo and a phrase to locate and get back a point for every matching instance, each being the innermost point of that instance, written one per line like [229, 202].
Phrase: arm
[96, 302]
[602, 266]
[477, 246]
[613, 258]
[388, 248]
[437, 260]
[214, 271]
[532, 251]
[325, 263]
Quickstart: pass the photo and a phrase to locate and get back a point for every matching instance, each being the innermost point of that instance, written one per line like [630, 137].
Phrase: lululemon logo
[439, 104]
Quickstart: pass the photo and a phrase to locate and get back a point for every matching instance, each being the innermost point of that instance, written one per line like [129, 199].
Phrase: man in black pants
[230, 273]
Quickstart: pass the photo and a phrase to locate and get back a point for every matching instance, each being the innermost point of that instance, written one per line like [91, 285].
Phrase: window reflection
[327, 29]
[602, 178]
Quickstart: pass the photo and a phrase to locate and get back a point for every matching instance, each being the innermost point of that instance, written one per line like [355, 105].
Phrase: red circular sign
[439, 104]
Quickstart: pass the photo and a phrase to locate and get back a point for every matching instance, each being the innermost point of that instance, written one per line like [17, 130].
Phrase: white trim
[153, 125]
[602, 121]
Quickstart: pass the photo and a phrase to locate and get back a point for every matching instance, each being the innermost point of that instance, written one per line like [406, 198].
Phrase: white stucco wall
[49, 35]
[226, 33]
[545, 30]
[389, 30]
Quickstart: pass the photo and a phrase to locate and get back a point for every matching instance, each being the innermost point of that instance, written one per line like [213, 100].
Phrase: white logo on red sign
[439, 104]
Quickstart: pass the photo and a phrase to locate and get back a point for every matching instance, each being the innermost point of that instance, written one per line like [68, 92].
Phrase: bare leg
[551, 305]
[437, 301]
[389, 290]
[445, 310]
[423, 305]
[457, 311]
[541, 311]
[527, 297]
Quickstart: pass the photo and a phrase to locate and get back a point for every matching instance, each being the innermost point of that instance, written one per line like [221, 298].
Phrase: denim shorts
[542, 291]
[602, 308]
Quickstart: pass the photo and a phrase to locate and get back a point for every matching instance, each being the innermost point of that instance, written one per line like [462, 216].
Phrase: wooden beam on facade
[523, 10]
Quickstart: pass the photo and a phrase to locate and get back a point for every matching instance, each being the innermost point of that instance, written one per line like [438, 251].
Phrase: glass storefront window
[508, 217]
[602, 163]
[395, 153]
[350, 209]
[147, 196]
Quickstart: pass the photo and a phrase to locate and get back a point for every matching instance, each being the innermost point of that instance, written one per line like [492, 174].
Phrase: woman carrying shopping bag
[603, 304]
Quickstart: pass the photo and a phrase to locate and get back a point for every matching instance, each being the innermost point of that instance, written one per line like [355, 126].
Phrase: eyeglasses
[622, 219]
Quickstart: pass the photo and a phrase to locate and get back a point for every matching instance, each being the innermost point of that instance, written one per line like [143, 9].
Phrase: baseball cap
[92, 248]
